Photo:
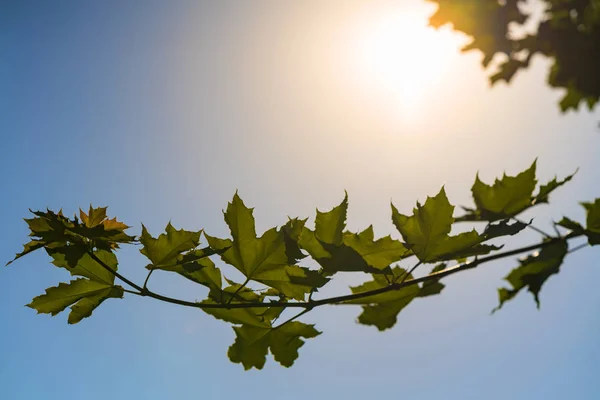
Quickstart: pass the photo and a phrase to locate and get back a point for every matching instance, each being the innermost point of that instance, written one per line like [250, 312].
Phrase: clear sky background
[161, 110]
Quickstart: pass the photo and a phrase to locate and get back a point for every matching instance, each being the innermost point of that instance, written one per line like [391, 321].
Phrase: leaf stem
[235, 294]
[115, 273]
[147, 279]
[293, 318]
[409, 273]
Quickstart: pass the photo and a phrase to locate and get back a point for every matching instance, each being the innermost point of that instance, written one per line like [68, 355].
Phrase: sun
[401, 56]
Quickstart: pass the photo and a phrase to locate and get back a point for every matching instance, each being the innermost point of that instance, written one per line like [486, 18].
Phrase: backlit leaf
[378, 253]
[253, 343]
[426, 232]
[292, 231]
[264, 259]
[86, 266]
[503, 228]
[89, 292]
[506, 197]
[545, 190]
[592, 229]
[329, 226]
[94, 217]
[165, 249]
[382, 310]
[533, 272]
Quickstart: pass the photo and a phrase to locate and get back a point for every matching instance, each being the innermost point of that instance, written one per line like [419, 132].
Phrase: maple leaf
[592, 229]
[85, 265]
[83, 294]
[253, 343]
[336, 250]
[329, 226]
[426, 232]
[533, 272]
[263, 259]
[379, 253]
[381, 310]
[165, 249]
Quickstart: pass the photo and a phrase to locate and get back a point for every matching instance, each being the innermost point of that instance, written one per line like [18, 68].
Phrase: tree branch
[338, 299]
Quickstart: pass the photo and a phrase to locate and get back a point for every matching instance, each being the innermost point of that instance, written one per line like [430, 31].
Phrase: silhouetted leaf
[264, 259]
[253, 343]
[165, 249]
[533, 272]
[507, 197]
[378, 253]
[329, 226]
[503, 228]
[426, 232]
[85, 265]
[291, 235]
[592, 220]
[545, 190]
[382, 310]
[592, 229]
[568, 34]
[84, 294]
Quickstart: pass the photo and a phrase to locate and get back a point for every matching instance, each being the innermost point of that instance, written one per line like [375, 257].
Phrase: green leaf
[253, 343]
[533, 272]
[165, 249]
[94, 217]
[235, 293]
[592, 229]
[571, 99]
[46, 229]
[592, 220]
[434, 286]
[309, 242]
[378, 253]
[51, 230]
[84, 265]
[217, 244]
[329, 226]
[292, 281]
[202, 271]
[104, 232]
[426, 232]
[503, 228]
[571, 225]
[84, 307]
[292, 231]
[247, 253]
[382, 310]
[246, 316]
[264, 259]
[545, 190]
[88, 292]
[335, 258]
[507, 197]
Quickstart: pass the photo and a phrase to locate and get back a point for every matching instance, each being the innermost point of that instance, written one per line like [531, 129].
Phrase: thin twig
[532, 227]
[578, 247]
[132, 292]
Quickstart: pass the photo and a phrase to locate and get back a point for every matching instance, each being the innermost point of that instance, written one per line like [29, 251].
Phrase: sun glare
[401, 56]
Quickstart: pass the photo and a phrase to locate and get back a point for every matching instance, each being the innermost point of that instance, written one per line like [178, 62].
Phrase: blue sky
[161, 110]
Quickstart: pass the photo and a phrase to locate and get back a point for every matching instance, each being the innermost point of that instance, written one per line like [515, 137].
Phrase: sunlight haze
[162, 110]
